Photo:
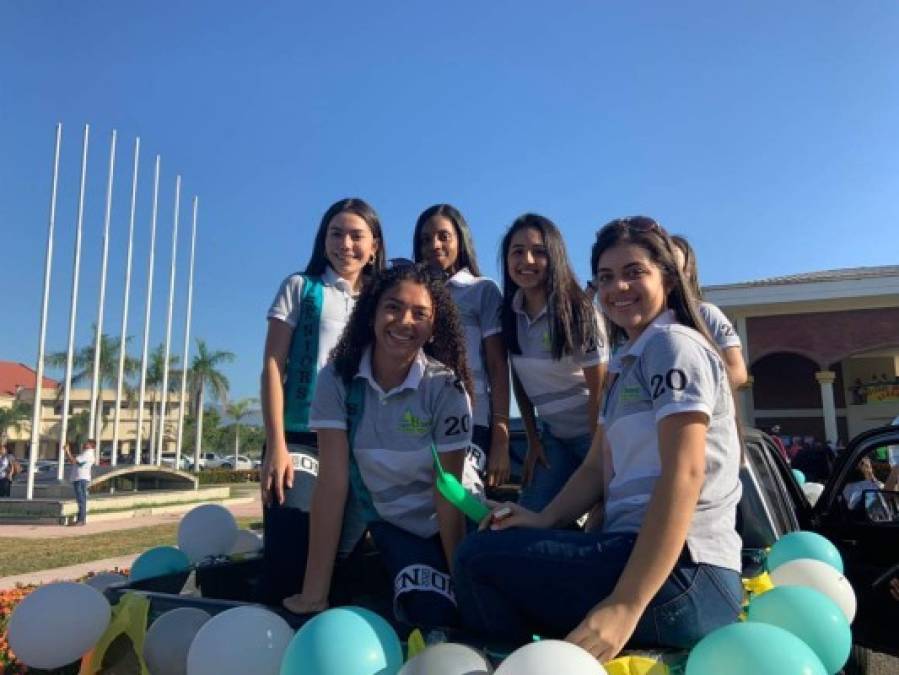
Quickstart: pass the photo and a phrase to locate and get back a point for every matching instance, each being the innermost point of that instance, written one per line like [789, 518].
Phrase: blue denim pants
[80, 487]
[564, 456]
[514, 583]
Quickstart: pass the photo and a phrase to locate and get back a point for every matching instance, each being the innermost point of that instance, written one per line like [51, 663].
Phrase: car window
[766, 511]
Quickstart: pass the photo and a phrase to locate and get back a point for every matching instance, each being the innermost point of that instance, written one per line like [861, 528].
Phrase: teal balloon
[798, 545]
[752, 649]
[158, 561]
[809, 615]
[799, 476]
[345, 640]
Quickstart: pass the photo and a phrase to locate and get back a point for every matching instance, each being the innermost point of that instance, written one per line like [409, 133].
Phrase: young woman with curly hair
[443, 239]
[391, 395]
[305, 321]
[558, 352]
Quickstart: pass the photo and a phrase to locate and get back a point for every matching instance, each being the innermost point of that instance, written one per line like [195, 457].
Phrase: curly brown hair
[448, 348]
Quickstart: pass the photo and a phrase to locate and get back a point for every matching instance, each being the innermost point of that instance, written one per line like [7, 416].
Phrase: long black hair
[652, 238]
[467, 257]
[448, 347]
[572, 320]
[691, 271]
[318, 261]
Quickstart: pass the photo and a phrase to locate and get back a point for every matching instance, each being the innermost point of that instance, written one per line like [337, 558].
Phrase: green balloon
[809, 615]
[798, 545]
[752, 649]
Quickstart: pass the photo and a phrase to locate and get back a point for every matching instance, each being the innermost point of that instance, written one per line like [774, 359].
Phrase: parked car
[168, 459]
[209, 460]
[243, 463]
[773, 504]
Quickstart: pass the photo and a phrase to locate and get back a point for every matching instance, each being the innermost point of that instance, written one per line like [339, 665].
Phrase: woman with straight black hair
[305, 321]
[558, 353]
[443, 240]
[664, 569]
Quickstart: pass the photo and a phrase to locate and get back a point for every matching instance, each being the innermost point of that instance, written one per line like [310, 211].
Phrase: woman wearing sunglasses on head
[391, 400]
[443, 240]
[663, 570]
[305, 321]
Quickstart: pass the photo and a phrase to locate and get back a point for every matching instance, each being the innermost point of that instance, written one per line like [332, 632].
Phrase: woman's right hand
[535, 454]
[276, 475]
[301, 604]
[504, 515]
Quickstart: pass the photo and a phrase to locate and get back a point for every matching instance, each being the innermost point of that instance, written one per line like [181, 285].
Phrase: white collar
[462, 278]
[635, 348]
[413, 377]
[331, 278]
[518, 307]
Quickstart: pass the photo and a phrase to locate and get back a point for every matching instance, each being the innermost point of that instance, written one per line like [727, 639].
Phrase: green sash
[302, 362]
[355, 406]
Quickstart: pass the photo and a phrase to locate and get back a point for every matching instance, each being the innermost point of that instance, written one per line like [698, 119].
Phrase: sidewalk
[30, 531]
[67, 573]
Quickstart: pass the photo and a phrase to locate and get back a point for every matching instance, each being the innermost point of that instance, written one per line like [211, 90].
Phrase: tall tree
[204, 372]
[83, 361]
[239, 411]
[155, 375]
[12, 418]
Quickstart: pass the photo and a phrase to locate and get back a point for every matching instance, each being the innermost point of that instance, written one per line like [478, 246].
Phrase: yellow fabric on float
[129, 616]
[636, 665]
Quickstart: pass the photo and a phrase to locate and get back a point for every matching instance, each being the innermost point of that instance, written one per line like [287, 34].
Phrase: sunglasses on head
[641, 224]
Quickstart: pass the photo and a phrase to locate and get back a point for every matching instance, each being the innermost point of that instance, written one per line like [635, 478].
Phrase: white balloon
[447, 658]
[56, 624]
[169, 638]
[550, 656]
[208, 530]
[820, 576]
[812, 492]
[238, 641]
[247, 542]
[104, 580]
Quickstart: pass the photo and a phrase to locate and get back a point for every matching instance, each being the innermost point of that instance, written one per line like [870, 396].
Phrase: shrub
[217, 476]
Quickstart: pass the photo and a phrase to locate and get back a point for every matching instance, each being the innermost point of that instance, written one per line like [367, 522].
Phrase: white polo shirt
[338, 301]
[81, 469]
[720, 327]
[480, 305]
[671, 369]
[557, 388]
[394, 436]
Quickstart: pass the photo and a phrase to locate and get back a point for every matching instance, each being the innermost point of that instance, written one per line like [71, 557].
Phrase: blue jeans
[564, 456]
[80, 487]
[514, 583]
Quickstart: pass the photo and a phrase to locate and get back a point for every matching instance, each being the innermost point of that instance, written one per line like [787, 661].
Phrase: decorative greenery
[217, 476]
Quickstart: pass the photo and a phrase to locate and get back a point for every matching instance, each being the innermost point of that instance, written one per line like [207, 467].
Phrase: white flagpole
[45, 302]
[73, 307]
[186, 352]
[168, 325]
[95, 380]
[123, 338]
[143, 360]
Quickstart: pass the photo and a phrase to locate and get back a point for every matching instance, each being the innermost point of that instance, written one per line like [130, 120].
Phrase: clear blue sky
[765, 131]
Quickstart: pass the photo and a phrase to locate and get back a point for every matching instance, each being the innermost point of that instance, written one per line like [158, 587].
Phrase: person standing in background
[81, 475]
[7, 470]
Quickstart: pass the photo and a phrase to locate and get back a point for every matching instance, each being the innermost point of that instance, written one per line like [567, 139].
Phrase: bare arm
[277, 470]
[661, 539]
[497, 362]
[736, 367]
[325, 521]
[449, 518]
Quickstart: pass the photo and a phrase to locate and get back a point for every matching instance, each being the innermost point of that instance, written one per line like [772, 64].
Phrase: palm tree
[204, 372]
[155, 375]
[12, 418]
[83, 362]
[238, 411]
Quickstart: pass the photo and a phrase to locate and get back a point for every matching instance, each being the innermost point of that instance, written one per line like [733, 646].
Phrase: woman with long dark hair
[558, 354]
[305, 321]
[391, 399]
[443, 240]
[664, 569]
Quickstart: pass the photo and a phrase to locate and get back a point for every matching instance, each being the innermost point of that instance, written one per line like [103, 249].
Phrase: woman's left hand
[606, 629]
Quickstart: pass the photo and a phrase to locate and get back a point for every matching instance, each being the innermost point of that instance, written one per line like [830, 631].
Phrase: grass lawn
[20, 556]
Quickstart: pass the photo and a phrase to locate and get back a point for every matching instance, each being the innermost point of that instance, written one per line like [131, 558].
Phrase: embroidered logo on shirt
[547, 342]
[414, 425]
[630, 394]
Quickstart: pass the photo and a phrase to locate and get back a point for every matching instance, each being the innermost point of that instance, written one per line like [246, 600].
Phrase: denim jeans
[564, 456]
[514, 583]
[80, 487]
